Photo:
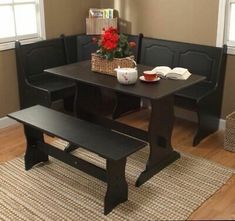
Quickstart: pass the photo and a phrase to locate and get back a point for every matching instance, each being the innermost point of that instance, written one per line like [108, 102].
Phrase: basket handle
[132, 59]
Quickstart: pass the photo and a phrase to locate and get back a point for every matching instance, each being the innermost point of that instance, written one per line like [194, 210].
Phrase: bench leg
[117, 188]
[33, 155]
[207, 124]
[69, 104]
[70, 147]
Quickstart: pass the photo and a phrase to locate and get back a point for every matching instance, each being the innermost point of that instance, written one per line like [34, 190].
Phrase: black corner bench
[112, 146]
[36, 86]
[204, 98]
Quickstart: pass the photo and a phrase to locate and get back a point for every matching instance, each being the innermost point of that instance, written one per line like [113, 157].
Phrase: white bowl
[127, 75]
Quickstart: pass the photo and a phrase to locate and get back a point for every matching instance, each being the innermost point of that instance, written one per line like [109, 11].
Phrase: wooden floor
[220, 206]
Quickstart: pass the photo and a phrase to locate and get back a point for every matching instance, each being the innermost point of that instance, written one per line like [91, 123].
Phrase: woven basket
[229, 138]
[104, 66]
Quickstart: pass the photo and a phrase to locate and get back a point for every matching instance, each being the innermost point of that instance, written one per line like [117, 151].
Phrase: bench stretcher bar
[73, 161]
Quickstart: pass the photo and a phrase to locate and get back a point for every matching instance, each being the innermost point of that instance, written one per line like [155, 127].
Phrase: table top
[81, 72]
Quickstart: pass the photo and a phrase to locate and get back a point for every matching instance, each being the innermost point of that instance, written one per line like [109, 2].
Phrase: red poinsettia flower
[94, 40]
[112, 44]
[132, 44]
[110, 39]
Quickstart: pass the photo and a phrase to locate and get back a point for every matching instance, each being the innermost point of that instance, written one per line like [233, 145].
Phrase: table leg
[87, 102]
[81, 101]
[124, 104]
[159, 132]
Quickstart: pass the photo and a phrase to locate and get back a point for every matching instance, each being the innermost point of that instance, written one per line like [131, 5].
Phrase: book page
[180, 75]
[161, 70]
[178, 71]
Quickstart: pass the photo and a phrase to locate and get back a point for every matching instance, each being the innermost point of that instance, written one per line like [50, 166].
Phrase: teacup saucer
[144, 80]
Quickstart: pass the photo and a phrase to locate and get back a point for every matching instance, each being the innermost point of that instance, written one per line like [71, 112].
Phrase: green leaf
[109, 56]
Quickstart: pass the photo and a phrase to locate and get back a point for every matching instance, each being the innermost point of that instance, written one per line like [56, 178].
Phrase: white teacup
[127, 75]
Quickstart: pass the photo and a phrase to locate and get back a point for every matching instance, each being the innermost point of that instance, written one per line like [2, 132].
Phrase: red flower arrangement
[114, 45]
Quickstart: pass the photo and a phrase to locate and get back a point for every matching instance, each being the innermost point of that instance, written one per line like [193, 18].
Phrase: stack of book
[100, 19]
[101, 13]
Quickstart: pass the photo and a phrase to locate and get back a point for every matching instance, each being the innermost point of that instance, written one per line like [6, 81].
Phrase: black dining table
[161, 97]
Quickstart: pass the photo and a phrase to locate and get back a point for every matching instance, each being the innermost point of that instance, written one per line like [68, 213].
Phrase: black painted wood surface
[161, 95]
[205, 98]
[35, 86]
[103, 141]
[114, 147]
[81, 72]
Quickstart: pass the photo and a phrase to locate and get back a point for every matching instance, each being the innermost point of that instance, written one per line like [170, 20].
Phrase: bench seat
[56, 86]
[112, 146]
[195, 92]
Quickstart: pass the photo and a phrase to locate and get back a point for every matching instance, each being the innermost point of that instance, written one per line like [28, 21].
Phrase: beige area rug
[56, 191]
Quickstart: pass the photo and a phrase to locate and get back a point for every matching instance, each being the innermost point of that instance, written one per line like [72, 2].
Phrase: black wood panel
[81, 72]
[35, 86]
[73, 161]
[207, 61]
[94, 138]
[199, 59]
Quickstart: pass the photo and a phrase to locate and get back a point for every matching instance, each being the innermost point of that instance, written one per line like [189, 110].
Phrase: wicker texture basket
[229, 138]
[104, 66]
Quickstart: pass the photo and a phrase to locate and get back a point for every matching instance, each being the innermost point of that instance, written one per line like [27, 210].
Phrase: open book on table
[177, 73]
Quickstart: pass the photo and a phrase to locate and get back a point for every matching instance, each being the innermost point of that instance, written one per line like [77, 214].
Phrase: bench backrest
[198, 59]
[79, 47]
[137, 39]
[33, 58]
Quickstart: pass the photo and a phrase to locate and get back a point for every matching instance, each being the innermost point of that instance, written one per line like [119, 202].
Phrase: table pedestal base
[154, 168]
